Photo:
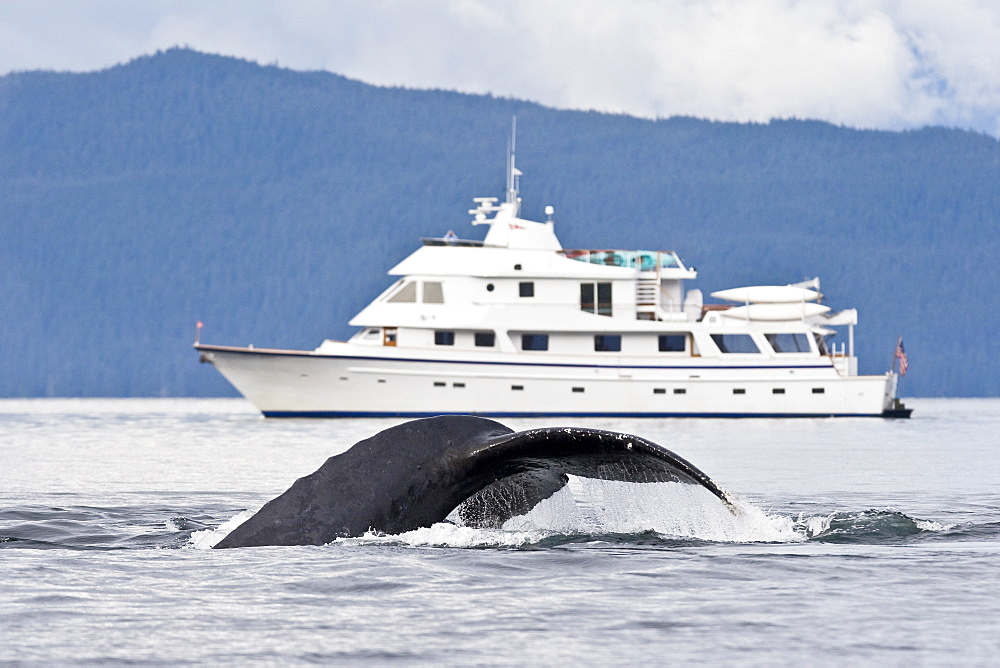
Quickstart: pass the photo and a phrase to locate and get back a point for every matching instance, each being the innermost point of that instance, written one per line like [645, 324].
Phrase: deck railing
[844, 363]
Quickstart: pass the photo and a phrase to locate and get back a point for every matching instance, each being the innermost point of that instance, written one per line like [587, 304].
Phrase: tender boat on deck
[516, 325]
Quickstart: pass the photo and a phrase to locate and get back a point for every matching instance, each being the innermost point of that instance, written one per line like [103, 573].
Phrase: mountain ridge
[269, 204]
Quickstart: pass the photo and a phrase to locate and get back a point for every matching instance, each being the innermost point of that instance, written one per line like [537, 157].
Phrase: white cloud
[867, 63]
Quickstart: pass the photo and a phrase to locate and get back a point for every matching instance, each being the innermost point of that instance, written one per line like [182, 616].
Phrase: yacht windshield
[642, 260]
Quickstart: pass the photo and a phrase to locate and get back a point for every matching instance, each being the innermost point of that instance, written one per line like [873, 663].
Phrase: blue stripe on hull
[406, 414]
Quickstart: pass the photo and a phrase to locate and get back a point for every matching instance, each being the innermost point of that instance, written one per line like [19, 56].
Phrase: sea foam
[208, 538]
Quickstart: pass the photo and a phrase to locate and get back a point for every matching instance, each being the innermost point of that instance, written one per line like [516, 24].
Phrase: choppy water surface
[856, 540]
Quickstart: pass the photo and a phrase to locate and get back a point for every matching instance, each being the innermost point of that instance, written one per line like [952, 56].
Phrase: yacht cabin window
[406, 294]
[797, 342]
[485, 339]
[534, 342]
[443, 338]
[595, 298]
[735, 343]
[607, 343]
[433, 293]
[821, 344]
[672, 343]
[527, 289]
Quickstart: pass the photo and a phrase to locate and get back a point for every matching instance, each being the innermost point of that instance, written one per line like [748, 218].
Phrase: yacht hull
[283, 383]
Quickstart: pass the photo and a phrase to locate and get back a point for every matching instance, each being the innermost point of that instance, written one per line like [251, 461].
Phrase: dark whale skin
[415, 474]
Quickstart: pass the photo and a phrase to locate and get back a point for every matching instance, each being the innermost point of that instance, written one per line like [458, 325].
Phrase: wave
[102, 528]
[867, 527]
[887, 526]
[587, 512]
[603, 512]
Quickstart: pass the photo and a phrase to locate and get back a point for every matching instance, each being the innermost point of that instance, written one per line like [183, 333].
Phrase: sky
[887, 64]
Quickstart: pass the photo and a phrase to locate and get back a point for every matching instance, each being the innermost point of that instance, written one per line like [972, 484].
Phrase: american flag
[901, 356]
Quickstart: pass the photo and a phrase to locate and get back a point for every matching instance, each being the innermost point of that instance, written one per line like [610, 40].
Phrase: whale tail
[415, 474]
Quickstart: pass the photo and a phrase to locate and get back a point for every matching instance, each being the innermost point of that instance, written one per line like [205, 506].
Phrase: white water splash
[208, 538]
[931, 525]
[589, 506]
[446, 534]
[815, 525]
[592, 507]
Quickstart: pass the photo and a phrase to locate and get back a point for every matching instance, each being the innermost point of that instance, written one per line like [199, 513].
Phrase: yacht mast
[512, 172]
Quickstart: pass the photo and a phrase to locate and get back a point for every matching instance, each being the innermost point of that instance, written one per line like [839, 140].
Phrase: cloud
[866, 63]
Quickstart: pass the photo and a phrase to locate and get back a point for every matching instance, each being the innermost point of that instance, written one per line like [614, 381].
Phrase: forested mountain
[270, 203]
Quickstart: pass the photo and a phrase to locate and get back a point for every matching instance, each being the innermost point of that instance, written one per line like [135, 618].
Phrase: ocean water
[856, 540]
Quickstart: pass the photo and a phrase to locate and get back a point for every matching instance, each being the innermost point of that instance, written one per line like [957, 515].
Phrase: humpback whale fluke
[415, 474]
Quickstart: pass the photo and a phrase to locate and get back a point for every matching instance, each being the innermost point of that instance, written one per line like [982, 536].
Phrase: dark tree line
[269, 204]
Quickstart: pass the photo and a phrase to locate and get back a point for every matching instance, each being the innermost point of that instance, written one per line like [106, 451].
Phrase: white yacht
[517, 325]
